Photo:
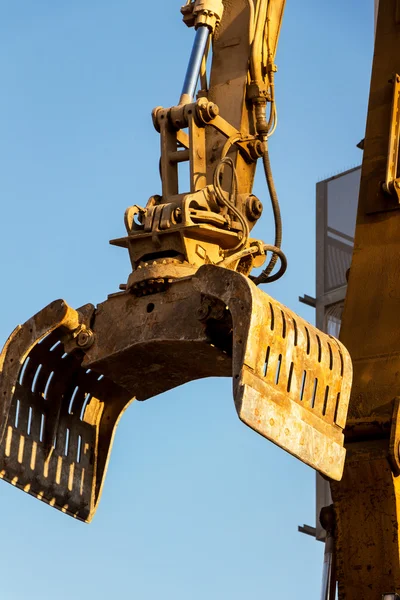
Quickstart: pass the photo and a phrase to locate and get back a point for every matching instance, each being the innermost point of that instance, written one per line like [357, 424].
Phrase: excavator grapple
[190, 308]
[67, 376]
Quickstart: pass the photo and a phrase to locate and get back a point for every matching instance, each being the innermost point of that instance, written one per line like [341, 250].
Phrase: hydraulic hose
[231, 203]
[264, 276]
[256, 250]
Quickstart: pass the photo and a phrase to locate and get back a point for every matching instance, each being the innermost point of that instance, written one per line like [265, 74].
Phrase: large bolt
[178, 215]
[213, 110]
[254, 208]
[85, 338]
[203, 311]
[256, 149]
[207, 111]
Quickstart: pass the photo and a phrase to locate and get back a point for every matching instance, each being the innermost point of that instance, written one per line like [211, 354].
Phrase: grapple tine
[58, 418]
[291, 381]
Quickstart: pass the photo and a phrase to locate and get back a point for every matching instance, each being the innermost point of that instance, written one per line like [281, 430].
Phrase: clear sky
[196, 506]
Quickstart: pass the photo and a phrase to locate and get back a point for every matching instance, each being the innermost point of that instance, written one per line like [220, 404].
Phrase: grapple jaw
[291, 382]
[57, 418]
[67, 376]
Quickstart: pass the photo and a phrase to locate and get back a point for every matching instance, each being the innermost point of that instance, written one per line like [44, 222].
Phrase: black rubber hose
[256, 250]
[282, 269]
[264, 276]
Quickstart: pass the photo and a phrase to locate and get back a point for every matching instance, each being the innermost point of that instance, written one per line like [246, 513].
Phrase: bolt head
[254, 208]
[203, 311]
[85, 339]
[214, 110]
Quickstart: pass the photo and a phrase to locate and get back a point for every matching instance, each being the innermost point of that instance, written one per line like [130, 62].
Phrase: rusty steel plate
[60, 419]
[291, 381]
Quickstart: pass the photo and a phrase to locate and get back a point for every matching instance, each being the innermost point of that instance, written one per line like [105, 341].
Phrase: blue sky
[195, 504]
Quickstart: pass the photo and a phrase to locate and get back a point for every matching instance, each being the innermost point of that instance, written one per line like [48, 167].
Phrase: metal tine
[78, 490]
[64, 476]
[73, 448]
[50, 465]
[306, 362]
[67, 463]
[330, 405]
[42, 379]
[61, 439]
[58, 350]
[86, 450]
[294, 371]
[58, 398]
[286, 322]
[264, 341]
[76, 438]
[29, 443]
[36, 422]
[77, 399]
[61, 475]
[23, 414]
[334, 362]
[323, 367]
[67, 394]
[11, 444]
[31, 368]
[50, 430]
[272, 365]
[71, 458]
[278, 367]
[300, 361]
[338, 358]
[334, 383]
[268, 339]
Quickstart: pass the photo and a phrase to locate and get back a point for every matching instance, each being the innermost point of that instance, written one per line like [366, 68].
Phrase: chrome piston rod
[193, 69]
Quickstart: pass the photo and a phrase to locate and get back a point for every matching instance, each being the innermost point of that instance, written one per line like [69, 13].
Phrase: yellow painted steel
[367, 499]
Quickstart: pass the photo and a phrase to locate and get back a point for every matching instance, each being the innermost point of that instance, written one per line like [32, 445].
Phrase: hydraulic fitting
[203, 12]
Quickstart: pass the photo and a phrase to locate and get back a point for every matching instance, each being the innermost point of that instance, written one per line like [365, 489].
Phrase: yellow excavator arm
[366, 500]
[190, 307]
